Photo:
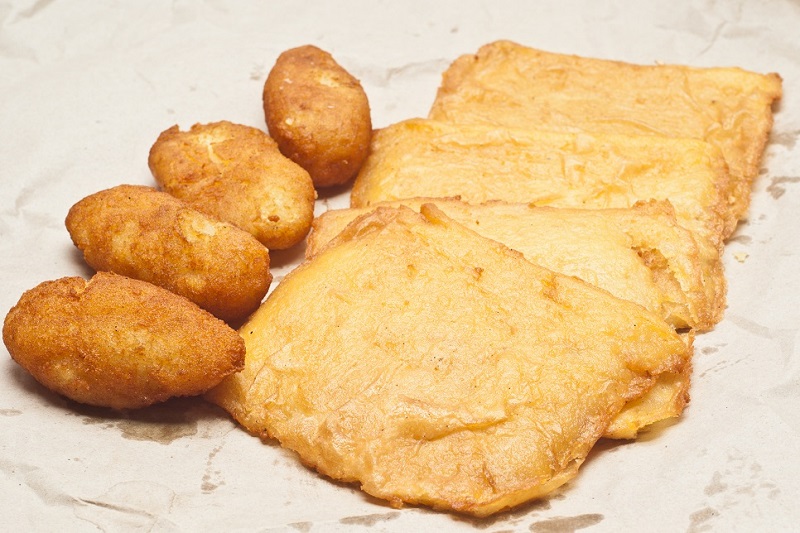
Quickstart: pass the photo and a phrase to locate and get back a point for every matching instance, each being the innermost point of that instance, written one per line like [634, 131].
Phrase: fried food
[319, 114]
[438, 367]
[638, 254]
[146, 234]
[117, 342]
[479, 163]
[236, 174]
[665, 400]
[505, 83]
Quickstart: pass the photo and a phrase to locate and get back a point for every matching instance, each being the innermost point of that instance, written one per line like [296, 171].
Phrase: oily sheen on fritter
[434, 366]
[506, 83]
[639, 254]
[480, 163]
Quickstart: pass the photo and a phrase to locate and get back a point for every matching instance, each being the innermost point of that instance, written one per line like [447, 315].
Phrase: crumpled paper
[85, 88]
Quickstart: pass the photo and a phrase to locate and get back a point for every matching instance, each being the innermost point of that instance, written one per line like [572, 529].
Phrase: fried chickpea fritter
[150, 235]
[319, 114]
[237, 174]
[508, 84]
[117, 342]
[434, 366]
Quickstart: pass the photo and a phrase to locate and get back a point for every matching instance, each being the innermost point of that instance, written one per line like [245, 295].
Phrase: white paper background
[85, 88]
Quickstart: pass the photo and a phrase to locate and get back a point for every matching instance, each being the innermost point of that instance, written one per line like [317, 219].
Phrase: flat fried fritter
[236, 174]
[150, 235]
[505, 83]
[117, 342]
[479, 163]
[666, 400]
[638, 254]
[434, 366]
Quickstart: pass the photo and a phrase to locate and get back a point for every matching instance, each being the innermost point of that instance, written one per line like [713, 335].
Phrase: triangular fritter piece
[434, 366]
[514, 85]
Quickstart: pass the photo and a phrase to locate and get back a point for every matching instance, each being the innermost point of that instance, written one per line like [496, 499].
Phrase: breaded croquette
[117, 342]
[236, 173]
[150, 235]
[318, 113]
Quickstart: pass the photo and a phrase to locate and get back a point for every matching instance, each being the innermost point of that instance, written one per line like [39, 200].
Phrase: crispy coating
[435, 366]
[236, 174]
[146, 234]
[117, 342]
[431, 158]
[639, 254]
[666, 400]
[514, 85]
[318, 113]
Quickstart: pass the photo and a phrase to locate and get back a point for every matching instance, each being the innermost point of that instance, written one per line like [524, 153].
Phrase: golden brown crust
[318, 113]
[639, 254]
[438, 367]
[119, 342]
[514, 85]
[146, 234]
[666, 400]
[479, 163]
[236, 174]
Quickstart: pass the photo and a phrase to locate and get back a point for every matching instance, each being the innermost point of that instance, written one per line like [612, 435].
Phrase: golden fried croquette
[146, 234]
[318, 113]
[117, 342]
[237, 174]
[505, 83]
[434, 366]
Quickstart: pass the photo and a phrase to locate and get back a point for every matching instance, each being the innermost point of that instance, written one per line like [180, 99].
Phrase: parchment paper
[85, 88]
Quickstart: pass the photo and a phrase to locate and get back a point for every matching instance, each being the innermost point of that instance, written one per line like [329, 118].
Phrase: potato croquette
[117, 342]
[146, 234]
[319, 115]
[236, 174]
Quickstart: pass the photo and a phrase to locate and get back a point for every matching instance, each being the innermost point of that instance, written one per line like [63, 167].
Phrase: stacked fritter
[520, 274]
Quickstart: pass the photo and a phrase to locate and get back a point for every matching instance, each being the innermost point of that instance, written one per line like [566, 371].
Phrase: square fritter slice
[506, 83]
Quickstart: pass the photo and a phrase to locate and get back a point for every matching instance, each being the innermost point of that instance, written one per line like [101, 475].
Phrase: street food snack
[142, 233]
[479, 163]
[117, 342]
[639, 254]
[506, 83]
[434, 366]
[236, 173]
[666, 400]
[318, 113]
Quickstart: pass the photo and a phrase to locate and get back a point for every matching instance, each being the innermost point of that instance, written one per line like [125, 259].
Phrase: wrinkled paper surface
[86, 87]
